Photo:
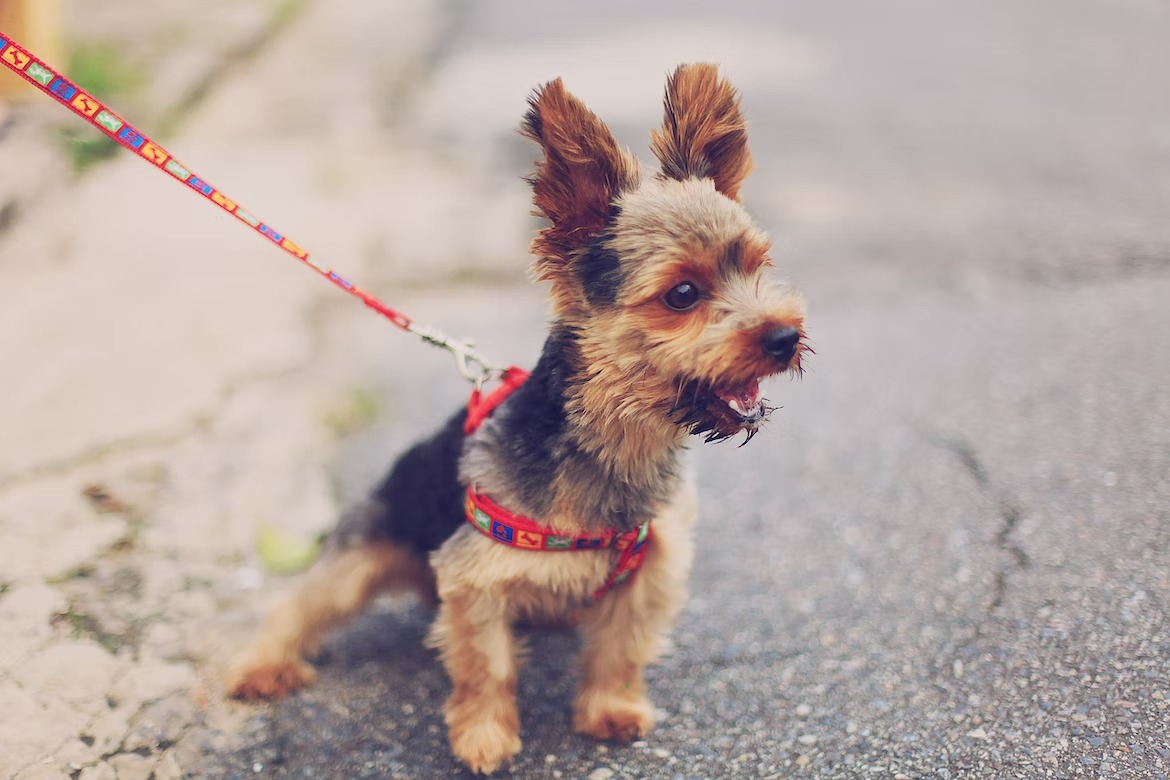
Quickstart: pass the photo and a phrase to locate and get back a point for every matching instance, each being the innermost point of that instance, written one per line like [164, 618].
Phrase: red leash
[25, 64]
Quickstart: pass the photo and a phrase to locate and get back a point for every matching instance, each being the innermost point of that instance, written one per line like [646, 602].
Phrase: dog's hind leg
[338, 586]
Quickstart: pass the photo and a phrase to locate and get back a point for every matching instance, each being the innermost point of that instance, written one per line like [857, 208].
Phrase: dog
[564, 494]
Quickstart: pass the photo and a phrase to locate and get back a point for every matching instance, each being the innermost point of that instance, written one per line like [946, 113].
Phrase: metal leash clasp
[472, 366]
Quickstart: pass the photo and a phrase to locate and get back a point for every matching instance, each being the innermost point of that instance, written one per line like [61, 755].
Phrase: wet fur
[594, 439]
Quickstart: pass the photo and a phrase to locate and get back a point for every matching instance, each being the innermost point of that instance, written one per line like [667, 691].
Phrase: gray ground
[948, 555]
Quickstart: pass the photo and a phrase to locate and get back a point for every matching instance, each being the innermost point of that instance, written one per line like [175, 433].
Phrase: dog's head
[664, 278]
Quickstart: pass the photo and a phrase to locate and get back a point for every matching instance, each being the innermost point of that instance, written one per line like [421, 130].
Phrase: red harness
[525, 533]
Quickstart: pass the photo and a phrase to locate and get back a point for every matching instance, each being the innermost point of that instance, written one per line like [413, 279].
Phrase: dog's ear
[703, 133]
[583, 171]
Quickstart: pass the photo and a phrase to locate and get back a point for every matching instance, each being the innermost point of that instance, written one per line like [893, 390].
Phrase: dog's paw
[252, 681]
[484, 744]
[608, 715]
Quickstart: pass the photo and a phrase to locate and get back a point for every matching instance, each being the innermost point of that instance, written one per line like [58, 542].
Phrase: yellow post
[36, 24]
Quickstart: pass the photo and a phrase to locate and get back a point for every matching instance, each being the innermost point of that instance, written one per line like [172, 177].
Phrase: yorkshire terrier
[563, 496]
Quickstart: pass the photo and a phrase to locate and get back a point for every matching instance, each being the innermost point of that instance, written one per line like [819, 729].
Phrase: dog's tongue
[744, 399]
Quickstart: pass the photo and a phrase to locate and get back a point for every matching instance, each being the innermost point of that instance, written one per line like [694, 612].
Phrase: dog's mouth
[743, 402]
[721, 411]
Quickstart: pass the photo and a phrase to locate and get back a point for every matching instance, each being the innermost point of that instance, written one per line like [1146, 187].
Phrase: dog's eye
[682, 297]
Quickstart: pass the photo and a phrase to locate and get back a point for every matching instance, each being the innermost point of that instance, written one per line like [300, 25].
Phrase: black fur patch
[731, 261]
[537, 444]
[532, 422]
[420, 502]
[600, 273]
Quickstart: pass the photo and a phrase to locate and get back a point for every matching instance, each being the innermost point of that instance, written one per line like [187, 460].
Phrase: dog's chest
[534, 583]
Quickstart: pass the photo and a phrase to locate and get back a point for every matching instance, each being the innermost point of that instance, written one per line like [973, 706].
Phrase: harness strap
[524, 533]
[479, 407]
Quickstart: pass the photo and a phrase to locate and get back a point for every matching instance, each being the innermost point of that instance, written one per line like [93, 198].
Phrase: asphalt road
[948, 556]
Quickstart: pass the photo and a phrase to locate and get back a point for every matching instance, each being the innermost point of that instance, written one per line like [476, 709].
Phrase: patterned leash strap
[25, 64]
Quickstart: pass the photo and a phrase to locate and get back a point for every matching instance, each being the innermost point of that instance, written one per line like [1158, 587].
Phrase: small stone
[802, 761]
[550, 759]
[803, 710]
[102, 771]
[42, 772]
[957, 668]
[34, 726]
[26, 612]
[978, 733]
[807, 739]
[107, 732]
[661, 753]
[78, 672]
[150, 681]
[131, 766]
[1095, 741]
[160, 723]
[601, 773]
[168, 768]
[76, 754]
[163, 640]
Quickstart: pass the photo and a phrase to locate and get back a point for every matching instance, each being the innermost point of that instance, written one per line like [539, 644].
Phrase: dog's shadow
[375, 709]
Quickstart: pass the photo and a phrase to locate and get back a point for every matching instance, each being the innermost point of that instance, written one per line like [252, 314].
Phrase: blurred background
[946, 557]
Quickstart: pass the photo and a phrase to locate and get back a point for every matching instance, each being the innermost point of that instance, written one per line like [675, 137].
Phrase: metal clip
[473, 367]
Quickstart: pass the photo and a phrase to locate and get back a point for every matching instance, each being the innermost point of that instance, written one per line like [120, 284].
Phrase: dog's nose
[781, 343]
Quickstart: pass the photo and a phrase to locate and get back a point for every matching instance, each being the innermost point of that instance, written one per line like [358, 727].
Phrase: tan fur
[474, 637]
[620, 376]
[703, 134]
[337, 588]
[628, 629]
[486, 587]
[583, 170]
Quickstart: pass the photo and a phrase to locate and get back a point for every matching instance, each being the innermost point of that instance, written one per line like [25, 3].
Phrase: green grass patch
[284, 11]
[80, 571]
[100, 70]
[83, 625]
[286, 553]
[356, 409]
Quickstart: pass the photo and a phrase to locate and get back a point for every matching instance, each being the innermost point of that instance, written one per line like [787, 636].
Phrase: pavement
[948, 556]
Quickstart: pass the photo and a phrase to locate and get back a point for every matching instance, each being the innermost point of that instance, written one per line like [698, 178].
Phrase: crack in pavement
[285, 13]
[1009, 512]
[199, 422]
[147, 441]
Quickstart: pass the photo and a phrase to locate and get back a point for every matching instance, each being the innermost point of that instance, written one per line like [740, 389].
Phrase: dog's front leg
[628, 629]
[474, 637]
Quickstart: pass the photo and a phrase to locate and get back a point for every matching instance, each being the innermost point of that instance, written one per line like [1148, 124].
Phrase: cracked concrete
[982, 257]
[1009, 511]
[162, 65]
[129, 517]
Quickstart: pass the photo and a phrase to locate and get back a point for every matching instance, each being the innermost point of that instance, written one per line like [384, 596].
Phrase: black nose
[781, 343]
